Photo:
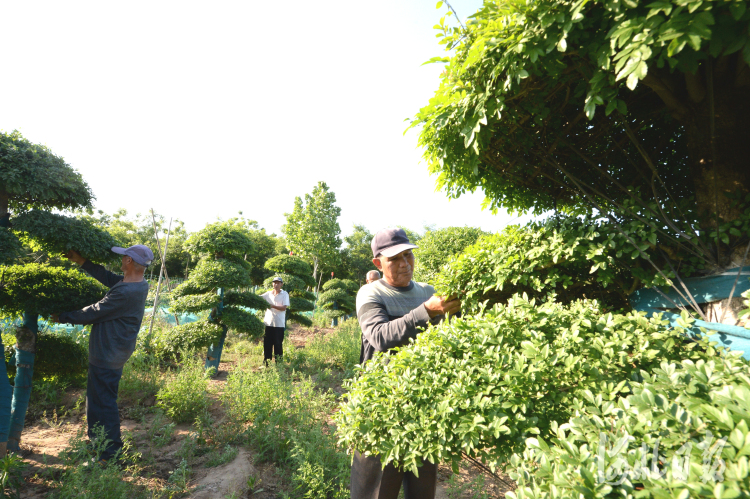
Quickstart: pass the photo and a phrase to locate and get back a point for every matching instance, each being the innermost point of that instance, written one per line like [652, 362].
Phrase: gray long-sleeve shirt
[390, 316]
[116, 318]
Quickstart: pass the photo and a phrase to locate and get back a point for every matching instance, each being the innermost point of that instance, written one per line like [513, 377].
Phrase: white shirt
[275, 318]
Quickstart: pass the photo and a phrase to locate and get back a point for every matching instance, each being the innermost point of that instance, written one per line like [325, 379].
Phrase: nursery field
[249, 431]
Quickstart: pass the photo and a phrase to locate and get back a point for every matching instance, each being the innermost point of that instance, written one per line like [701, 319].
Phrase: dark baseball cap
[390, 242]
[277, 278]
[142, 255]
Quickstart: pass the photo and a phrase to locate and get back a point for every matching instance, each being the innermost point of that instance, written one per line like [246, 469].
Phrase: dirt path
[45, 438]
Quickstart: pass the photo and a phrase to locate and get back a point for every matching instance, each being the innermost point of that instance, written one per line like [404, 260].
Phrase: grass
[279, 414]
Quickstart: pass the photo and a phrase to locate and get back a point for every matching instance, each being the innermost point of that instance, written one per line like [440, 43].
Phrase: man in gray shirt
[391, 311]
[116, 320]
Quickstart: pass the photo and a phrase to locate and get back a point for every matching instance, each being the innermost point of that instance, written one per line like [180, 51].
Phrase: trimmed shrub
[56, 354]
[683, 432]
[169, 342]
[483, 385]
[437, 247]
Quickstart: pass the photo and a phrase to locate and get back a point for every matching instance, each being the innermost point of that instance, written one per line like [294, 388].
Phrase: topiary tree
[297, 276]
[33, 180]
[214, 287]
[338, 298]
[436, 247]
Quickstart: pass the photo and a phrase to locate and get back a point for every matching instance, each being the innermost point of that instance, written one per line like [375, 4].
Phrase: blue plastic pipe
[22, 388]
[213, 356]
[6, 397]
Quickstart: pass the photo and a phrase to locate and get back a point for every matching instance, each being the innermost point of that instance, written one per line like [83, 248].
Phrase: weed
[141, 379]
[473, 489]
[48, 393]
[11, 467]
[184, 397]
[180, 477]
[160, 432]
[55, 421]
[217, 457]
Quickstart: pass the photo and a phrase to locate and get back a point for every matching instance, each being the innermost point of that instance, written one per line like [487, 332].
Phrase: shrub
[437, 247]
[338, 297]
[56, 354]
[184, 397]
[563, 257]
[482, 385]
[682, 432]
[168, 342]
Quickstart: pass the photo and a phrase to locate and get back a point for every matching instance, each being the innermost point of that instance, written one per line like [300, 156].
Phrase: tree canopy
[312, 228]
[31, 176]
[620, 106]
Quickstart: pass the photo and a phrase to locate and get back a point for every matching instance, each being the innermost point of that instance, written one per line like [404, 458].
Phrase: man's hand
[75, 257]
[439, 305]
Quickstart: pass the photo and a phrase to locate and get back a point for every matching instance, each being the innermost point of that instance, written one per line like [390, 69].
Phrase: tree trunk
[25, 353]
[4, 214]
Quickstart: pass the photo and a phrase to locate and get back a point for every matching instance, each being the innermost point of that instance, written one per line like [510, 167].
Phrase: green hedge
[483, 385]
[56, 354]
[169, 342]
[693, 415]
[565, 257]
[46, 289]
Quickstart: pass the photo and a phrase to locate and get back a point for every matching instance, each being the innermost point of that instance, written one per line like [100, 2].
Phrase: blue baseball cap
[141, 254]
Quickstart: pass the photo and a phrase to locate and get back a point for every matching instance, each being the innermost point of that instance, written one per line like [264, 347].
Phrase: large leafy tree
[633, 109]
[312, 229]
[32, 181]
[356, 257]
[437, 247]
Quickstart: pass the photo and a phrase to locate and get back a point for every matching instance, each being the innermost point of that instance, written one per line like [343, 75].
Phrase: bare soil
[45, 437]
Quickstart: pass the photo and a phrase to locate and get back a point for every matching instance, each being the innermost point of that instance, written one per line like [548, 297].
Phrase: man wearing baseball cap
[391, 311]
[275, 320]
[116, 320]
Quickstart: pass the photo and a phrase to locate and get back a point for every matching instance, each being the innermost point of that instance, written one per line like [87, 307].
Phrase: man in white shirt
[275, 320]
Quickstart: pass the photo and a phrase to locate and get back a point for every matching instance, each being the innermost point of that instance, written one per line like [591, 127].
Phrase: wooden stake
[163, 268]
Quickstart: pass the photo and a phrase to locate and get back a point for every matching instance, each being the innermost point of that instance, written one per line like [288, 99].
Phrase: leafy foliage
[10, 246]
[31, 176]
[211, 274]
[222, 239]
[300, 304]
[356, 257]
[291, 265]
[571, 258]
[245, 299]
[436, 247]
[312, 229]
[292, 284]
[184, 397]
[57, 234]
[169, 342]
[56, 353]
[679, 412]
[482, 385]
[509, 115]
[338, 297]
[242, 321]
[45, 289]
[195, 303]
[299, 318]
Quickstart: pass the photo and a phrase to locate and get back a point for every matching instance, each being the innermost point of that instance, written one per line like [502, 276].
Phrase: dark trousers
[371, 481]
[272, 343]
[101, 406]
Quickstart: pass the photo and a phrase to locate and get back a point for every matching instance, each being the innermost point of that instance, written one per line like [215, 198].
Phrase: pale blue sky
[203, 109]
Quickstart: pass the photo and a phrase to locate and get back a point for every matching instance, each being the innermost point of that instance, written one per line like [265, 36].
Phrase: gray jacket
[116, 318]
